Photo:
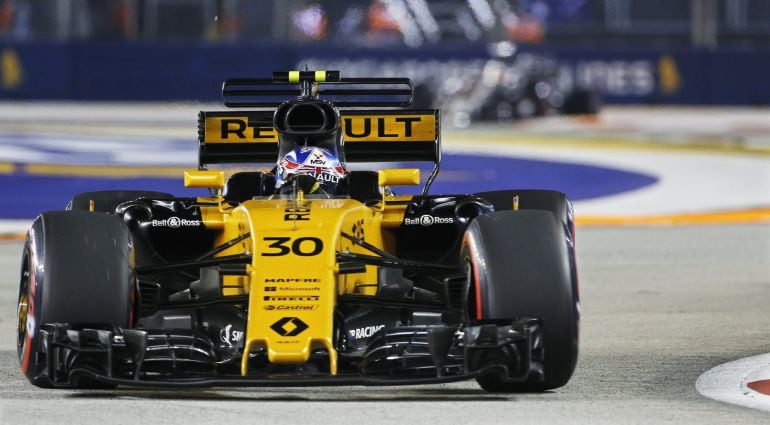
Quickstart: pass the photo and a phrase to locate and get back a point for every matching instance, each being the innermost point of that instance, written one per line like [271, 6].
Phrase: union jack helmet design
[314, 161]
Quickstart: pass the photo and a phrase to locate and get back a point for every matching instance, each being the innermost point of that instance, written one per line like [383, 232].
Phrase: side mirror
[200, 178]
[399, 177]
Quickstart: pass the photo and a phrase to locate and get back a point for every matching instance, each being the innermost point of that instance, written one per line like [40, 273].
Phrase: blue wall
[702, 77]
[137, 71]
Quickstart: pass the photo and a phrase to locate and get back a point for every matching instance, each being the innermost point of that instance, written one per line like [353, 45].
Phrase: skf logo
[289, 326]
[383, 128]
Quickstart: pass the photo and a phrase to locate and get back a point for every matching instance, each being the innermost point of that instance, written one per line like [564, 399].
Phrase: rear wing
[387, 135]
[342, 92]
[368, 136]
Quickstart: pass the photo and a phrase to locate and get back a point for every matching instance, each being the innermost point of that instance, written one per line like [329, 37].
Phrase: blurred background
[477, 59]
[118, 83]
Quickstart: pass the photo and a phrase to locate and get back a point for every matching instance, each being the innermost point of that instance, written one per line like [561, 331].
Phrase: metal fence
[411, 23]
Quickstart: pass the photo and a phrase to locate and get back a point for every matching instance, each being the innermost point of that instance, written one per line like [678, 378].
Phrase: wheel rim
[469, 315]
[22, 308]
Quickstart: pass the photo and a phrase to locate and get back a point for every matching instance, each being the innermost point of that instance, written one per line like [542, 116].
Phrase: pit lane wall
[143, 71]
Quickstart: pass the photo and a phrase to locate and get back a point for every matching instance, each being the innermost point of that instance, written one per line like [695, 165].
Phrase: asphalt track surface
[661, 305]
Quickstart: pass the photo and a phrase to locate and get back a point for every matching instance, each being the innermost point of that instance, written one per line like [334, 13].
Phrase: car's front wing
[395, 356]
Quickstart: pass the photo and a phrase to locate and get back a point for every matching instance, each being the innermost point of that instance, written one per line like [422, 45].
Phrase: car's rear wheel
[77, 268]
[522, 265]
[108, 200]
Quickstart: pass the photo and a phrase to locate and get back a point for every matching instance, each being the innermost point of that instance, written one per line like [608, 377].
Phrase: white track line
[690, 181]
[727, 382]
[14, 226]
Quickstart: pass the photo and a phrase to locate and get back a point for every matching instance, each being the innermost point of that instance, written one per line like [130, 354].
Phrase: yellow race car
[304, 272]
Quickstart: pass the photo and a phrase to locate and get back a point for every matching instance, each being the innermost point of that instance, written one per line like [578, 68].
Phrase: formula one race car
[305, 273]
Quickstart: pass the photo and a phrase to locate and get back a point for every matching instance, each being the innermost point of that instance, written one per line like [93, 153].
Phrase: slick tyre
[77, 268]
[521, 264]
[108, 200]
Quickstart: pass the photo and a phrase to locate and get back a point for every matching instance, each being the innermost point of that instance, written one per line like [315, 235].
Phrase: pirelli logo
[377, 127]
[292, 298]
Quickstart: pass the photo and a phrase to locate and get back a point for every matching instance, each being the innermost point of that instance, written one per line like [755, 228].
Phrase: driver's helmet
[321, 164]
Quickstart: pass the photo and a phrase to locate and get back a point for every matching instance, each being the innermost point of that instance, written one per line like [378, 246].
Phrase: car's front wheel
[521, 265]
[77, 268]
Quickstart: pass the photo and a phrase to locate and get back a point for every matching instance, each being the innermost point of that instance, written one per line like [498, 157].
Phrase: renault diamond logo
[280, 326]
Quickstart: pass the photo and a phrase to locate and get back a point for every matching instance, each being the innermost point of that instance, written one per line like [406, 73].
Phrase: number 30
[303, 247]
